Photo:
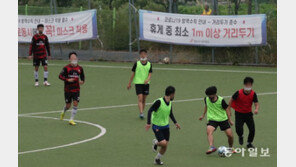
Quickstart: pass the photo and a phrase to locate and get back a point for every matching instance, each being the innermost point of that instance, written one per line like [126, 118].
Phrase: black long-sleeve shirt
[155, 107]
[74, 72]
[39, 46]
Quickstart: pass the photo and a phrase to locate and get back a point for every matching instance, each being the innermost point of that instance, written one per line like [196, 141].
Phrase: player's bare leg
[45, 83]
[210, 131]
[73, 112]
[140, 105]
[66, 107]
[229, 135]
[163, 147]
[144, 102]
[36, 75]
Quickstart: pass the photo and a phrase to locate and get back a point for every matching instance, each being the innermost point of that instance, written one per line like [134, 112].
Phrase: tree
[249, 6]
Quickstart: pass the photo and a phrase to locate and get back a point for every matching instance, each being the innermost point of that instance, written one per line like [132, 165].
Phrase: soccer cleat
[211, 150]
[71, 122]
[62, 115]
[232, 150]
[141, 116]
[154, 145]
[36, 84]
[45, 83]
[250, 145]
[241, 140]
[158, 162]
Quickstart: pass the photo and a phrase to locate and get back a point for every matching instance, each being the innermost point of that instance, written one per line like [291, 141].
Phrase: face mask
[247, 89]
[74, 62]
[143, 59]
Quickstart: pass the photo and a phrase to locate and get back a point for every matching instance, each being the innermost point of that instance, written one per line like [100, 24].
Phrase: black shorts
[36, 61]
[162, 134]
[69, 96]
[223, 124]
[142, 89]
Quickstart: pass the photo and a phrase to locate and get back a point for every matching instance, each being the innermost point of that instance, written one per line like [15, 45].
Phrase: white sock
[158, 156]
[36, 75]
[45, 75]
[73, 113]
[65, 109]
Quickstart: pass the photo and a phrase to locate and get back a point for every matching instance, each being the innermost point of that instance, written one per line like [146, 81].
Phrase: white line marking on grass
[103, 131]
[129, 105]
[170, 69]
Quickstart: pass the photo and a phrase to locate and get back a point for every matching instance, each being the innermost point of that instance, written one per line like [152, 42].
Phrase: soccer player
[70, 75]
[141, 75]
[159, 114]
[39, 47]
[217, 115]
[241, 102]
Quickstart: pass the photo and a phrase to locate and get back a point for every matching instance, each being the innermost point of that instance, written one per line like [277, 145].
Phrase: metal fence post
[171, 46]
[113, 27]
[256, 48]
[51, 11]
[26, 9]
[80, 43]
[215, 13]
[56, 12]
[136, 26]
[130, 28]
[229, 7]
[90, 41]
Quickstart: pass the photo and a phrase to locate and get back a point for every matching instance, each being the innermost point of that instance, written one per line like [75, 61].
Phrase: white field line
[170, 69]
[103, 131]
[129, 105]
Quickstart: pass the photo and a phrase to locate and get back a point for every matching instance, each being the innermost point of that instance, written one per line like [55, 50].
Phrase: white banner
[216, 31]
[59, 28]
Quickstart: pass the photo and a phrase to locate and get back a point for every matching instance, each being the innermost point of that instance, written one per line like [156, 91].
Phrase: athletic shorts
[36, 61]
[162, 134]
[142, 89]
[69, 96]
[223, 124]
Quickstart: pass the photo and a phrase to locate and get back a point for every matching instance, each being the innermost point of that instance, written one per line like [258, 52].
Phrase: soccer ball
[166, 60]
[223, 151]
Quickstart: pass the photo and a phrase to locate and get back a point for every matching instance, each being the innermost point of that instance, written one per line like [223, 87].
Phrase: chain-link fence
[113, 31]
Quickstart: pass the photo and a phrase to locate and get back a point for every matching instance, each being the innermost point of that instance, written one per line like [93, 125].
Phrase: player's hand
[201, 117]
[178, 126]
[146, 82]
[147, 127]
[129, 86]
[81, 82]
[256, 112]
[30, 57]
[230, 122]
[71, 80]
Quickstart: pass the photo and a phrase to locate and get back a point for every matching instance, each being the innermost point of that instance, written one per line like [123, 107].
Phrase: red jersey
[243, 102]
[39, 46]
[75, 72]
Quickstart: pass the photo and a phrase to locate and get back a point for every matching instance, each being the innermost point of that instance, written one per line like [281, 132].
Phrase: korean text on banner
[59, 28]
[200, 30]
